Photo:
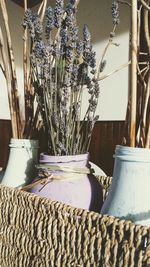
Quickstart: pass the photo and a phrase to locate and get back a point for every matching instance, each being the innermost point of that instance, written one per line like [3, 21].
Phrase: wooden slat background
[31, 3]
[106, 135]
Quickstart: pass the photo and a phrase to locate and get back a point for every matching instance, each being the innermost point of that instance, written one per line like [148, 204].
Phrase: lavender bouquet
[62, 66]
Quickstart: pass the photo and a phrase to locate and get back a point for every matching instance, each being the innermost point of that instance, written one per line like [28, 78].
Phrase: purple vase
[81, 191]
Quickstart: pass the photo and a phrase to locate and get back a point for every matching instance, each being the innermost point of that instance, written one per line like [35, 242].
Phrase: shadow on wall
[97, 15]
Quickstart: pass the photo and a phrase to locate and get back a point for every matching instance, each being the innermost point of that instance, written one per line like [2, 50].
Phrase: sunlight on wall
[96, 14]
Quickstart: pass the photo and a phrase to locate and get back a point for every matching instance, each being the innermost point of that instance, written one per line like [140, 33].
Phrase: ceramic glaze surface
[129, 194]
[21, 163]
[82, 191]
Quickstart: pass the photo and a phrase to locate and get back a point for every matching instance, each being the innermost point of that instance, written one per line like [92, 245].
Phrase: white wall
[97, 15]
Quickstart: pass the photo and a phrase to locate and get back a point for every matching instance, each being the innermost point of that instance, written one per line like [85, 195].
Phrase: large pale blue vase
[129, 194]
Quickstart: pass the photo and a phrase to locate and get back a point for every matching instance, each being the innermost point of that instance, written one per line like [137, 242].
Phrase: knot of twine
[48, 173]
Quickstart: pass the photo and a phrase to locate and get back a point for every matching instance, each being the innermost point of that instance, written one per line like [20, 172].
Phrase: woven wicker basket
[36, 232]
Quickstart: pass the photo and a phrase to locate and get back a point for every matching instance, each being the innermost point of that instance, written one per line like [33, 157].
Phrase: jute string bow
[49, 173]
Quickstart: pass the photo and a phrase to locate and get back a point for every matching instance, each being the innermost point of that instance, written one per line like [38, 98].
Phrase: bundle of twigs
[21, 122]
[7, 65]
[138, 117]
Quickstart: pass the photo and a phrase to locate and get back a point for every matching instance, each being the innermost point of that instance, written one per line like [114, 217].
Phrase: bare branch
[124, 2]
[145, 5]
[114, 71]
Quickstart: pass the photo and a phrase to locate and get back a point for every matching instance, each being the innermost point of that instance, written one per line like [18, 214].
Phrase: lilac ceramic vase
[76, 189]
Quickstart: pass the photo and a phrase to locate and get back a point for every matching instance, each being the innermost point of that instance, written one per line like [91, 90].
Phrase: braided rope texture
[38, 232]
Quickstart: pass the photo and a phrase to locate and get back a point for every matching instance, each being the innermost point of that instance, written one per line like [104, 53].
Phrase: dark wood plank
[5, 135]
[31, 3]
[105, 137]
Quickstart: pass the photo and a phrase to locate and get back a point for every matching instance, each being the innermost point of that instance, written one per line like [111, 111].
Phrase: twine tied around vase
[47, 174]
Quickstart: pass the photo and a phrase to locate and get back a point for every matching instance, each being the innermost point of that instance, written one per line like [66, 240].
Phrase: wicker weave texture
[38, 232]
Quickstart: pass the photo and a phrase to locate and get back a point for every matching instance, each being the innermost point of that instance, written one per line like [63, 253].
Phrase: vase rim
[129, 148]
[132, 153]
[53, 159]
[26, 143]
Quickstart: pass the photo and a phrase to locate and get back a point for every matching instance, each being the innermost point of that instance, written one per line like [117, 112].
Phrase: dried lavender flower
[102, 66]
[115, 12]
[33, 24]
[70, 9]
[37, 26]
[58, 12]
[49, 21]
[96, 89]
[64, 36]
[86, 36]
[39, 50]
[92, 104]
[27, 22]
[55, 122]
[73, 35]
[79, 48]
[27, 17]
[74, 76]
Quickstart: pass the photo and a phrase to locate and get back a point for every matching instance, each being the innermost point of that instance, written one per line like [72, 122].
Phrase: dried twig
[147, 145]
[124, 2]
[145, 5]
[114, 71]
[40, 8]
[9, 87]
[110, 40]
[133, 74]
[43, 10]
[25, 63]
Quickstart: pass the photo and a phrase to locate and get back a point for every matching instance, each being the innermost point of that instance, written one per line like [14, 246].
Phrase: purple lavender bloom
[102, 66]
[27, 17]
[33, 24]
[92, 59]
[49, 21]
[88, 54]
[63, 36]
[58, 12]
[88, 83]
[92, 123]
[70, 9]
[79, 48]
[55, 122]
[39, 50]
[74, 76]
[27, 22]
[73, 34]
[69, 54]
[96, 89]
[37, 26]
[56, 50]
[115, 12]
[72, 2]
[92, 104]
[66, 82]
[86, 36]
